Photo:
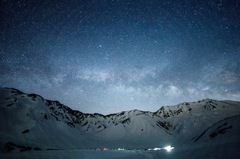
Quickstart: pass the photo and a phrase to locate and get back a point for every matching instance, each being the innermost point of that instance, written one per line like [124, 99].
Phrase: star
[111, 56]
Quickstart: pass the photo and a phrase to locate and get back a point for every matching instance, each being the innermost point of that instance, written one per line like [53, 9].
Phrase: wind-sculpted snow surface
[31, 123]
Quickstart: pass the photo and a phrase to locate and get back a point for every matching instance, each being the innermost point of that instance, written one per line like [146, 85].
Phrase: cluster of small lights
[168, 148]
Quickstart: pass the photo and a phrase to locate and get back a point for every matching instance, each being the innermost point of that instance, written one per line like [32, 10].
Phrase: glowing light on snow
[168, 148]
[155, 149]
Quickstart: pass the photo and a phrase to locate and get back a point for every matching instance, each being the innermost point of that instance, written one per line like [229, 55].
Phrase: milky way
[107, 56]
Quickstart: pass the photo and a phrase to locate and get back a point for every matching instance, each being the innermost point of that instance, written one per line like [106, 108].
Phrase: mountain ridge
[33, 95]
[29, 119]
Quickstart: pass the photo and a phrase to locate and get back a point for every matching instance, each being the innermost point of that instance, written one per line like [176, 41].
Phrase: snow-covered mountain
[30, 122]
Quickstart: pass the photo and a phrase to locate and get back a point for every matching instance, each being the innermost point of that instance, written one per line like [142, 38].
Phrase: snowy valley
[33, 126]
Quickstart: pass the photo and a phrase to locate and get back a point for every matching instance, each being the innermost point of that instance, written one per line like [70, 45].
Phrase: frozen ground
[194, 151]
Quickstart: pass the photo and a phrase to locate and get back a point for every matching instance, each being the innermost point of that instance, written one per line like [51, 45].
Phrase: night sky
[107, 56]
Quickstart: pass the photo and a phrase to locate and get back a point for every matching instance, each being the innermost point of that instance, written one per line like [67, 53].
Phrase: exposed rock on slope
[28, 121]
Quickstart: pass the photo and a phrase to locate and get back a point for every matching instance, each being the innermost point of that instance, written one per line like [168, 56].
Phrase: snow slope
[29, 122]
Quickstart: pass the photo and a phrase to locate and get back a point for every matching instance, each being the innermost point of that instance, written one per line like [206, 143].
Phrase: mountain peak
[50, 123]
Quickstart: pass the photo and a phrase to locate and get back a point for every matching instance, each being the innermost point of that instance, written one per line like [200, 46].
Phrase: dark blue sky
[106, 56]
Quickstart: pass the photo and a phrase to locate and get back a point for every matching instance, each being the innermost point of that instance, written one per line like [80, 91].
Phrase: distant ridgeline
[32, 123]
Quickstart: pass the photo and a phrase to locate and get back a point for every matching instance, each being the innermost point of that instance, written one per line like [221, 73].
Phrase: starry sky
[107, 56]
